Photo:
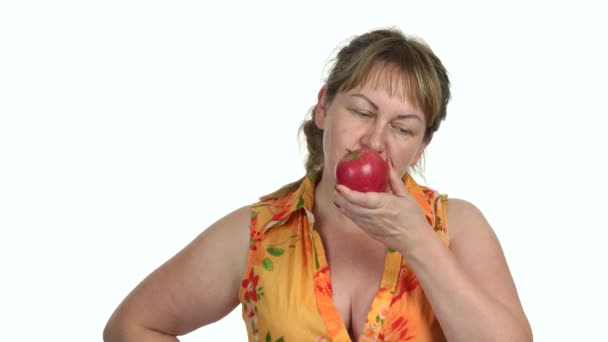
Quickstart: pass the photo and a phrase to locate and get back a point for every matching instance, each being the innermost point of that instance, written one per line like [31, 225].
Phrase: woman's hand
[394, 218]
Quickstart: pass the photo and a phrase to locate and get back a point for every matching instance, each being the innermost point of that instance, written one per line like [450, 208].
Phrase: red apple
[362, 170]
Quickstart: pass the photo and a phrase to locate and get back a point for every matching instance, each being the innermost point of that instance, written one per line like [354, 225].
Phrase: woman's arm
[469, 285]
[196, 287]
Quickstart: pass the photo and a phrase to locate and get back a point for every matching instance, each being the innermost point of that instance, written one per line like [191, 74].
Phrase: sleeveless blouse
[286, 292]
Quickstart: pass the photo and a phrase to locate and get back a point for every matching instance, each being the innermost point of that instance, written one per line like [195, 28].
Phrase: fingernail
[338, 189]
[336, 204]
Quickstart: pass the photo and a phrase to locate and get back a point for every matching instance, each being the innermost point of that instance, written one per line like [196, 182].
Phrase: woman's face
[370, 117]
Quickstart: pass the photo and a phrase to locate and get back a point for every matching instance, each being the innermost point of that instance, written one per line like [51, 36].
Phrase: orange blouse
[286, 292]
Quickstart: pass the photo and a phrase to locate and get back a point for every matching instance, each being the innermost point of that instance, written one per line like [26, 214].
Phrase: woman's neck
[327, 215]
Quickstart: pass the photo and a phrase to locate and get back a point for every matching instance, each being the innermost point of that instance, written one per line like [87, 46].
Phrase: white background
[128, 127]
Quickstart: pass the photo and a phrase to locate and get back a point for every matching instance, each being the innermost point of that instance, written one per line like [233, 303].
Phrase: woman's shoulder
[465, 219]
[236, 217]
[275, 211]
[231, 225]
[461, 209]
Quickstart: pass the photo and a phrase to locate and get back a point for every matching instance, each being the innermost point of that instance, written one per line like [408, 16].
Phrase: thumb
[395, 182]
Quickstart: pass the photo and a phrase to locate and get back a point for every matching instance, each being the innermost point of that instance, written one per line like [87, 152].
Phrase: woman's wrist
[419, 244]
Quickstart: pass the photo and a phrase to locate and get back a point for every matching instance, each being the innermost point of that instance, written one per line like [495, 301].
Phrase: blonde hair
[425, 78]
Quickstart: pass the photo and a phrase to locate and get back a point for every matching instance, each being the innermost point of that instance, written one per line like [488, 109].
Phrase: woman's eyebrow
[408, 116]
[366, 99]
[400, 116]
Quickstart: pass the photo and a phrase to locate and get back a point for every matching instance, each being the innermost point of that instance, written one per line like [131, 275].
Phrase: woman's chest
[356, 273]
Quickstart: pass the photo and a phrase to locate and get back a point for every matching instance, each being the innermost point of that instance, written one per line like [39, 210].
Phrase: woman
[319, 262]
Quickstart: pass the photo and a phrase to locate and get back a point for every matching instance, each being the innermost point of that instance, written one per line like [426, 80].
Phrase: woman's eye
[401, 130]
[364, 114]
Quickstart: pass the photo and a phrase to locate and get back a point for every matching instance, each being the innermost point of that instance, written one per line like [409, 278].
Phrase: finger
[353, 211]
[369, 200]
[339, 200]
[395, 182]
[342, 205]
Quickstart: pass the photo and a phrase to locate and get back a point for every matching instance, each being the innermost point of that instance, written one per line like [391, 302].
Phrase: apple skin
[363, 170]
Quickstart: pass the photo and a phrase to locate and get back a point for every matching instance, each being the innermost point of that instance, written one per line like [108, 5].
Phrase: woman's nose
[374, 138]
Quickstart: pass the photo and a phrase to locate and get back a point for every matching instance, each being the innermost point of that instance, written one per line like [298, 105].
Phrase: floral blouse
[286, 292]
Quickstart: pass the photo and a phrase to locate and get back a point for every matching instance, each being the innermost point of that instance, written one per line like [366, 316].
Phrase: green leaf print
[274, 251]
[267, 264]
[280, 222]
[269, 338]
[300, 202]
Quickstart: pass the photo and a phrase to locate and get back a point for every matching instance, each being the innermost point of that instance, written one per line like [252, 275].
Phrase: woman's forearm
[464, 311]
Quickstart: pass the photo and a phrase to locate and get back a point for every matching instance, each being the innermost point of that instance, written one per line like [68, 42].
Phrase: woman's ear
[321, 108]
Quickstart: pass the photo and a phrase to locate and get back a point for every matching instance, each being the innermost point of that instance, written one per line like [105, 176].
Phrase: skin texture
[468, 285]
[192, 289]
